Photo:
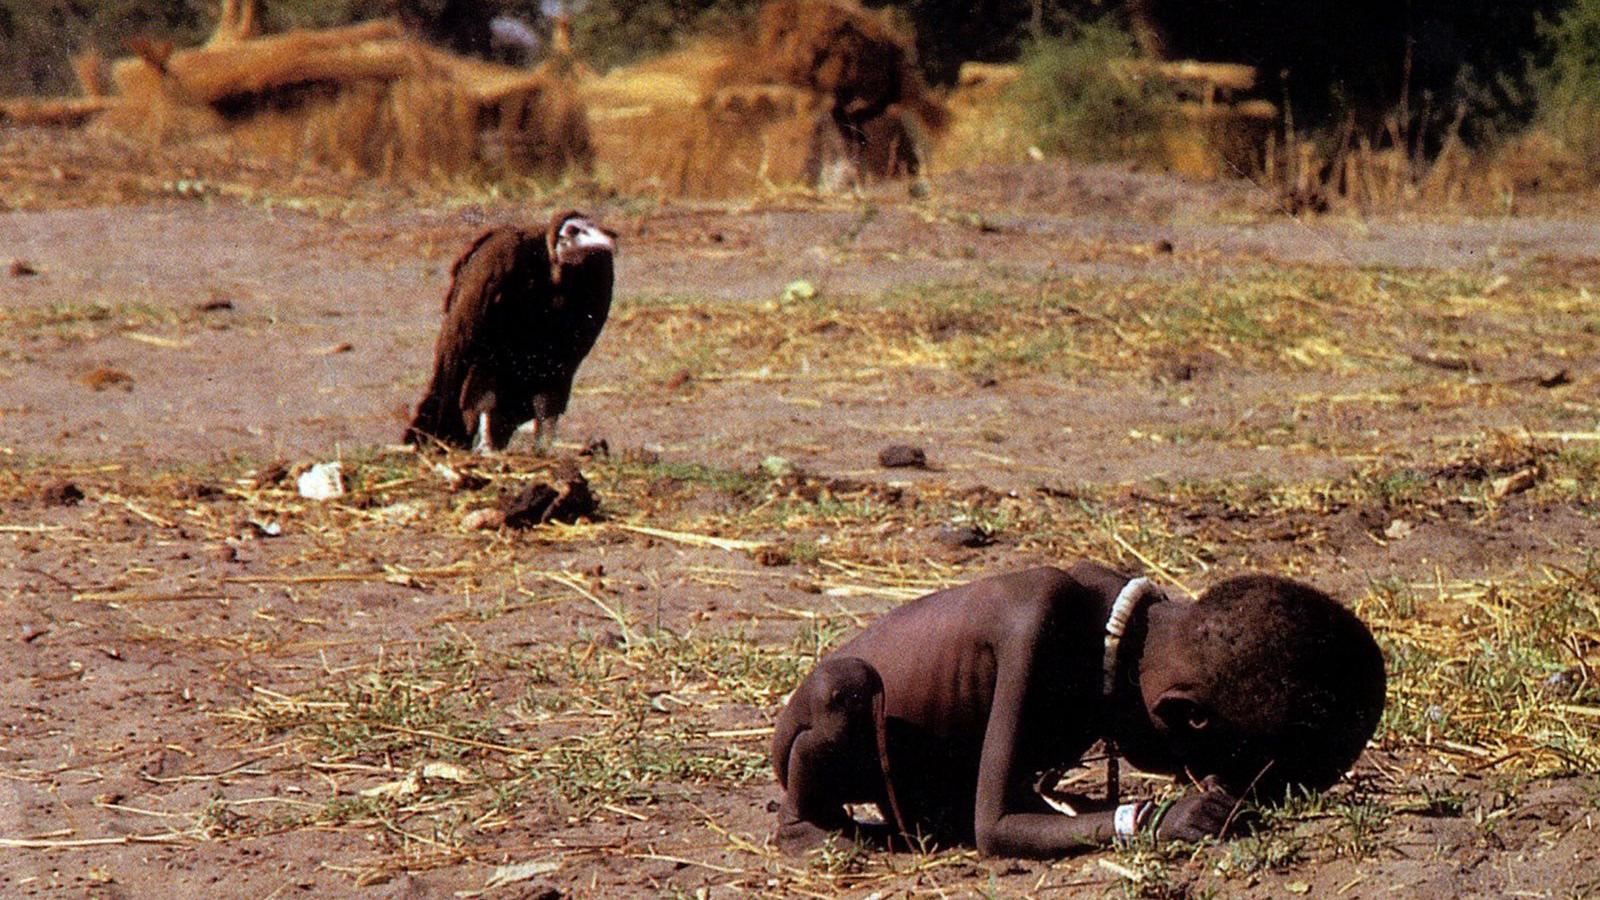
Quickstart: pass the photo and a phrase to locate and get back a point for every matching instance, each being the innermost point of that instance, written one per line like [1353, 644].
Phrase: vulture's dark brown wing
[496, 285]
[461, 263]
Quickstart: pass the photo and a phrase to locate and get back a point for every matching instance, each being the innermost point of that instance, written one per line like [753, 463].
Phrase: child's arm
[1001, 826]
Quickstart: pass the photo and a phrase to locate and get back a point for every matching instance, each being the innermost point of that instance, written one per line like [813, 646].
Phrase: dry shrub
[679, 78]
[1361, 177]
[647, 118]
[360, 98]
[770, 107]
[985, 126]
[670, 126]
[1218, 141]
[876, 108]
[542, 127]
[154, 108]
[94, 80]
[1538, 160]
[753, 135]
[410, 127]
[840, 50]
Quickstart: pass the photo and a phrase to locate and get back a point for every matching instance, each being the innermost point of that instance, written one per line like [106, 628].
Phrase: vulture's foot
[481, 443]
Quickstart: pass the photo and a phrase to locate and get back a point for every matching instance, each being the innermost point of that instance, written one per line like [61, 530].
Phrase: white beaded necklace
[1133, 593]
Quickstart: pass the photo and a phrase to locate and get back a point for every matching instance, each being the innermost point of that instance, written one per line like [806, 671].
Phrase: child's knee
[846, 692]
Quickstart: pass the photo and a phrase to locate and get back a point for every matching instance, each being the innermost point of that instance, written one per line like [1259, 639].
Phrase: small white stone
[323, 481]
[483, 520]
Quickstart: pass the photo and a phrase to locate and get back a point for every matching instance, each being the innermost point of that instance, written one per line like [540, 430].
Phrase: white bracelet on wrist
[1126, 822]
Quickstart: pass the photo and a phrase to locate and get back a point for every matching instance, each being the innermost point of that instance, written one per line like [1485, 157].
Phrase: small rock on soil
[902, 456]
[61, 493]
[568, 500]
[963, 536]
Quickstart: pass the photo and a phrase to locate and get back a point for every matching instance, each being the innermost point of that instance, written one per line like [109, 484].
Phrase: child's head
[1264, 681]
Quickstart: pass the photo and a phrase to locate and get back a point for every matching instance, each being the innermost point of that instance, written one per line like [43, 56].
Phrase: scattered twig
[143, 597]
[693, 540]
[166, 837]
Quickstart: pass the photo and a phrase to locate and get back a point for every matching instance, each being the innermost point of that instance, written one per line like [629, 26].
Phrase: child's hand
[1198, 816]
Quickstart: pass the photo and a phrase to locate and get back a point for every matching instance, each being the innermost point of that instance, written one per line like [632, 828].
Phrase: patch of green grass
[1395, 488]
[804, 552]
[639, 760]
[734, 665]
[1270, 319]
[1305, 826]
[1478, 670]
[729, 481]
[1079, 101]
[829, 510]
[1574, 473]
[1152, 870]
[127, 313]
[1568, 85]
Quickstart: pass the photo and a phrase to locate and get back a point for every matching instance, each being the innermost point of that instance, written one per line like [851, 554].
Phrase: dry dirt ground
[216, 687]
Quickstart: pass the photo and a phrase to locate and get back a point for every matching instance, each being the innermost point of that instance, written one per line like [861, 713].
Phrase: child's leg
[827, 752]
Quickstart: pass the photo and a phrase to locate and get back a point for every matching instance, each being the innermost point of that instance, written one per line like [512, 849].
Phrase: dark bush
[1364, 60]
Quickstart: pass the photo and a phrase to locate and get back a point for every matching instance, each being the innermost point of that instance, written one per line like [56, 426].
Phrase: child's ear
[1181, 713]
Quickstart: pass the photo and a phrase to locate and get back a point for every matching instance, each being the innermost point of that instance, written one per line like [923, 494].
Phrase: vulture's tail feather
[437, 419]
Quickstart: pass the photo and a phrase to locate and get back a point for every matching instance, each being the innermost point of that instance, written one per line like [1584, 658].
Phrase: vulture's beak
[579, 238]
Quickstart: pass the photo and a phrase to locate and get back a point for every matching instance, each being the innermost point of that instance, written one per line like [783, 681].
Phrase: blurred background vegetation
[1480, 69]
[1568, 84]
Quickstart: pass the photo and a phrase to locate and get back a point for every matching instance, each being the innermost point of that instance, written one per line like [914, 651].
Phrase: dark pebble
[197, 490]
[61, 493]
[566, 501]
[272, 474]
[902, 456]
[773, 556]
[963, 536]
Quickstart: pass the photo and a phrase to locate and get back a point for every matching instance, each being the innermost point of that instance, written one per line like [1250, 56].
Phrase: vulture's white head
[574, 239]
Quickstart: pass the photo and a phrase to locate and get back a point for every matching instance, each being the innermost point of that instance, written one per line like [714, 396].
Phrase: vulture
[523, 310]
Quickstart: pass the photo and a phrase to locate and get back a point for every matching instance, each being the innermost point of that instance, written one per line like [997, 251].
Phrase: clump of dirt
[902, 456]
[104, 377]
[61, 493]
[568, 500]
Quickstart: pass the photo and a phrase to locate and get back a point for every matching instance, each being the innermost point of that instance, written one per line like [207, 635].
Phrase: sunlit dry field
[218, 687]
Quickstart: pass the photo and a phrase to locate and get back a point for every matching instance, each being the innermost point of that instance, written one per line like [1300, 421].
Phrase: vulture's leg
[481, 443]
[544, 433]
[479, 398]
